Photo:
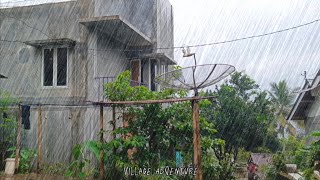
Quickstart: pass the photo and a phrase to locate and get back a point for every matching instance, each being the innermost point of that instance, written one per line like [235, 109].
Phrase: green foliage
[121, 90]
[271, 172]
[312, 157]
[8, 125]
[281, 96]
[155, 131]
[243, 156]
[5, 100]
[262, 150]
[278, 165]
[80, 166]
[296, 152]
[241, 116]
[278, 161]
[291, 150]
[55, 169]
[27, 156]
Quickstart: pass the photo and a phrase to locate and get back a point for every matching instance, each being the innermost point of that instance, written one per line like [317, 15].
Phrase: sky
[266, 59]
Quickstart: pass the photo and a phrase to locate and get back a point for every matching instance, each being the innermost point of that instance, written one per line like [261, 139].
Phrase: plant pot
[10, 166]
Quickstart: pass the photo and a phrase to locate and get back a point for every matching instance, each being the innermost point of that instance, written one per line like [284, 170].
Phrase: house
[60, 55]
[307, 105]
[261, 159]
[257, 161]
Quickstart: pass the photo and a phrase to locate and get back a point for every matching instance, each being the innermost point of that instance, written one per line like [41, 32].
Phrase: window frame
[55, 67]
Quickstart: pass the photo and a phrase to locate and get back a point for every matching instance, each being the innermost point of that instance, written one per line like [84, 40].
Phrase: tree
[241, 115]
[282, 97]
[154, 131]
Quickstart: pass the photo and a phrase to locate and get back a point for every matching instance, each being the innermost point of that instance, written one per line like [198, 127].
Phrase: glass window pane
[48, 67]
[62, 64]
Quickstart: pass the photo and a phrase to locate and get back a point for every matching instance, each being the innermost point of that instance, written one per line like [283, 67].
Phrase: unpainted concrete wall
[24, 70]
[165, 34]
[63, 127]
[313, 116]
[140, 13]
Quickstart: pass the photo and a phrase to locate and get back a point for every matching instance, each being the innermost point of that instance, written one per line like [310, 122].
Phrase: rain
[63, 64]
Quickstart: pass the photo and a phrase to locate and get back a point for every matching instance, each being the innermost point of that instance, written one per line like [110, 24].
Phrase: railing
[100, 81]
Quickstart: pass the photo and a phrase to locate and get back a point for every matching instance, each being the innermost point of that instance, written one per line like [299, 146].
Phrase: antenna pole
[196, 140]
[195, 60]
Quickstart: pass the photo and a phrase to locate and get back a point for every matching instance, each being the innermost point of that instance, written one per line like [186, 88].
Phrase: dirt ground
[33, 176]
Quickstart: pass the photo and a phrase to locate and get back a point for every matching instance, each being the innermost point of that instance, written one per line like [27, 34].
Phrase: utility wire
[226, 41]
[180, 47]
[26, 24]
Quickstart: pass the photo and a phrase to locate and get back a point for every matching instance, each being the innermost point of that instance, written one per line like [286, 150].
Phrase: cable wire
[180, 47]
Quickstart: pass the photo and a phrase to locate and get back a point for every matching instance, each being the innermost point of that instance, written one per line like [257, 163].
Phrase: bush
[27, 156]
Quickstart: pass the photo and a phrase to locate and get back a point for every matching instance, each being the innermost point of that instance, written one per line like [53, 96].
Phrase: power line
[255, 36]
[228, 41]
[180, 47]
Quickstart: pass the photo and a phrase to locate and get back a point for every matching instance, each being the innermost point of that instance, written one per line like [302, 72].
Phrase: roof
[118, 28]
[261, 158]
[52, 42]
[2, 76]
[304, 100]
[161, 56]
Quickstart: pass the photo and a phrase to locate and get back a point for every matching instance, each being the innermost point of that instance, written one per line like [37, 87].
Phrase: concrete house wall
[313, 114]
[73, 121]
[307, 107]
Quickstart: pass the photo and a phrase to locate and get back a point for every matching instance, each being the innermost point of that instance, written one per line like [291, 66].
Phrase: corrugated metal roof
[261, 158]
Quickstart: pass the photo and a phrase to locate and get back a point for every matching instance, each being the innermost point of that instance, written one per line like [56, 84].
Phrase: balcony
[100, 81]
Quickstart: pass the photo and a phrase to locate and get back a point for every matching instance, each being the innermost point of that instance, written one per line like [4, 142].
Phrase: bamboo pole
[39, 139]
[196, 139]
[18, 138]
[101, 140]
[150, 101]
[114, 120]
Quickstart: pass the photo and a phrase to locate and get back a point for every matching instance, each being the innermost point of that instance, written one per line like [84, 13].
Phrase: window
[55, 65]
[154, 70]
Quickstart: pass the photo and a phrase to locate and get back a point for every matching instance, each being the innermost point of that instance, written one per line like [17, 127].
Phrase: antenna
[304, 74]
[186, 52]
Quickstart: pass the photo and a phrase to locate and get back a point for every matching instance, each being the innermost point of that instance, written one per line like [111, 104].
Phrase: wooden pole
[18, 139]
[114, 120]
[196, 139]
[39, 139]
[101, 140]
[129, 103]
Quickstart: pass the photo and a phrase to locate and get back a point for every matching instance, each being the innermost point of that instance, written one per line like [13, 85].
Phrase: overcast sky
[267, 59]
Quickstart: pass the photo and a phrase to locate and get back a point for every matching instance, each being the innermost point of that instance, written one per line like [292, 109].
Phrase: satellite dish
[195, 77]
